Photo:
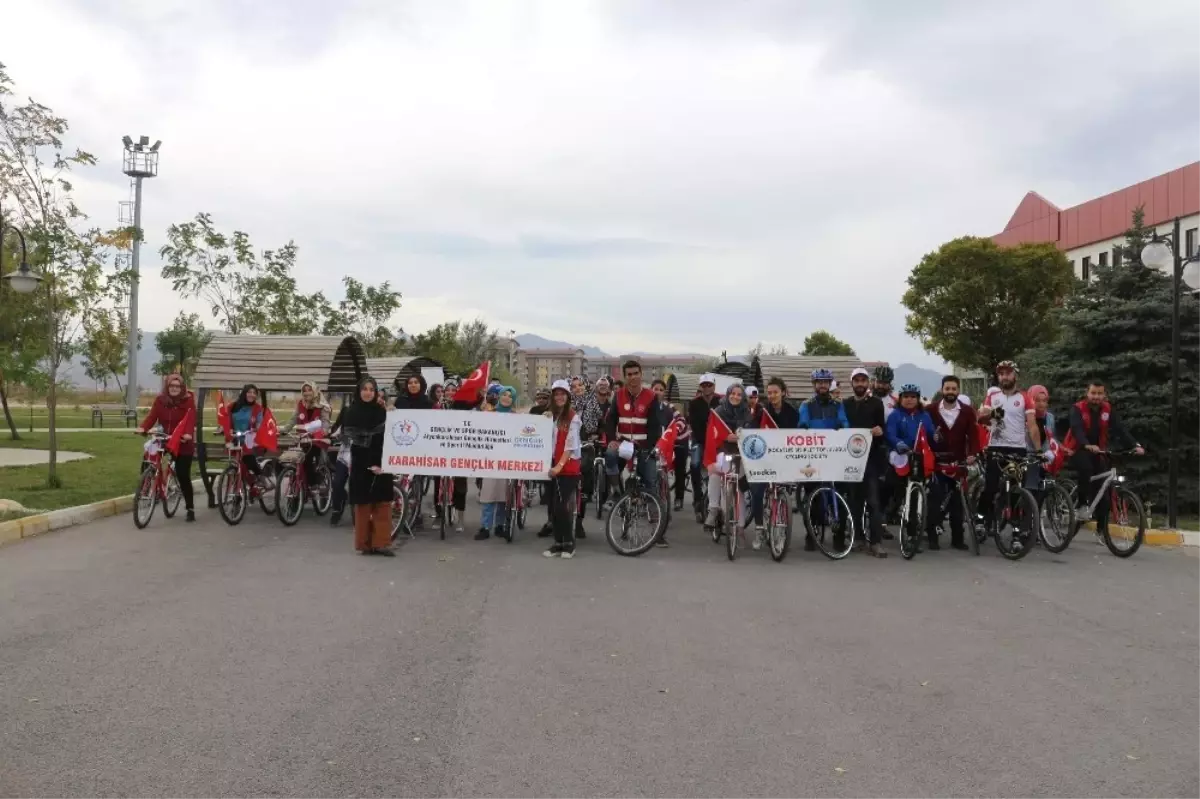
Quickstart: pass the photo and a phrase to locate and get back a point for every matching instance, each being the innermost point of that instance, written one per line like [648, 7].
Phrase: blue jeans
[647, 468]
[757, 495]
[341, 475]
[493, 512]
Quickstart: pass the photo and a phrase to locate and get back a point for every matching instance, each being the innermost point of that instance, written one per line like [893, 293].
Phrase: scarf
[362, 421]
[736, 416]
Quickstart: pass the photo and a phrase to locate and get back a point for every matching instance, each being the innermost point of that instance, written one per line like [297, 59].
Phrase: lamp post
[1162, 252]
[141, 161]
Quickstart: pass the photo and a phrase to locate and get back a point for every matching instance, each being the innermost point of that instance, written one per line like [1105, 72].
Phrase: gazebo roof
[281, 363]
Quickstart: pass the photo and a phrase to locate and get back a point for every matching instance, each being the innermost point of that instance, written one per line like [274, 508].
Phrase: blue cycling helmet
[910, 388]
[822, 374]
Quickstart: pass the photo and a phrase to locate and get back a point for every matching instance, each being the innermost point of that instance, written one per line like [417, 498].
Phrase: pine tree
[1117, 328]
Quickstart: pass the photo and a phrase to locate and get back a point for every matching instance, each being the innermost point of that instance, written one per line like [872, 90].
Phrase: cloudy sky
[660, 175]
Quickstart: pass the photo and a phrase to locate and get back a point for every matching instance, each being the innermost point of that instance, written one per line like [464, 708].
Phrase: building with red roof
[1090, 233]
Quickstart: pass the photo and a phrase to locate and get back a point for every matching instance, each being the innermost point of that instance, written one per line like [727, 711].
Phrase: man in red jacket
[955, 440]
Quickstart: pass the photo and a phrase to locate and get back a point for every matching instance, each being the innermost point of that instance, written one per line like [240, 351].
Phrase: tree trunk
[52, 395]
[12, 425]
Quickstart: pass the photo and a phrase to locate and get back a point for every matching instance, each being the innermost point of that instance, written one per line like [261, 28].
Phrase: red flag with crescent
[475, 384]
[268, 436]
[223, 421]
[714, 437]
[184, 428]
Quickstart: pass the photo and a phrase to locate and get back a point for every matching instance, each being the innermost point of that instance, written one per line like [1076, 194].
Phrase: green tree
[1117, 328]
[105, 346]
[364, 313]
[441, 344]
[35, 167]
[778, 350]
[181, 345]
[476, 343]
[22, 331]
[822, 342]
[974, 303]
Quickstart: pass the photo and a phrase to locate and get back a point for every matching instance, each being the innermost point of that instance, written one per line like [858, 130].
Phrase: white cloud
[634, 183]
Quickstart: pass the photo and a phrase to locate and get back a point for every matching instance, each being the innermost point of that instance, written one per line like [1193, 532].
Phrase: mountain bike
[829, 521]
[1015, 517]
[294, 484]
[157, 483]
[958, 474]
[1057, 526]
[1124, 509]
[913, 509]
[635, 519]
[237, 487]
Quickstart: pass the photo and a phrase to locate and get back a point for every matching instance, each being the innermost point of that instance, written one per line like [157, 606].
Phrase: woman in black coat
[364, 425]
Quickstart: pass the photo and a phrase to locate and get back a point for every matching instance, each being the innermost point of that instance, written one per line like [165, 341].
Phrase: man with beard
[1012, 417]
[882, 388]
[698, 410]
[954, 439]
[866, 412]
[1094, 426]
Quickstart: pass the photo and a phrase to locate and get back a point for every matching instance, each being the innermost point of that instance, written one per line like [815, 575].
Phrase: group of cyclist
[593, 422]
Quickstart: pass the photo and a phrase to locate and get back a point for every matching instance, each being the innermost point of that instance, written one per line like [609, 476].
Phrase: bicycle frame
[163, 467]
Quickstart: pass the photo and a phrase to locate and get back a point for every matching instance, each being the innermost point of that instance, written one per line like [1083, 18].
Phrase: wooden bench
[129, 415]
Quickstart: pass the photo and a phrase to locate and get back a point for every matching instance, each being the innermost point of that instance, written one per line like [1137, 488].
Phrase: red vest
[560, 443]
[633, 414]
[1085, 412]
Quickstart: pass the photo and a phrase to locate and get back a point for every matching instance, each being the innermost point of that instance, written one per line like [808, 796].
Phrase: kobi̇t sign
[802, 456]
[514, 446]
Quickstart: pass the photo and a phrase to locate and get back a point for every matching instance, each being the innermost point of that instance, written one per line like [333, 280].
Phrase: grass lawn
[112, 472]
[1185, 522]
[66, 419]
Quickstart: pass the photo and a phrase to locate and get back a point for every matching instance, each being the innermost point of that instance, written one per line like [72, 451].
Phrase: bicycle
[1122, 502]
[157, 483]
[827, 511]
[1013, 506]
[629, 509]
[237, 487]
[447, 513]
[518, 496]
[731, 527]
[404, 505]
[599, 483]
[1057, 514]
[778, 502]
[300, 485]
[959, 474]
[914, 510]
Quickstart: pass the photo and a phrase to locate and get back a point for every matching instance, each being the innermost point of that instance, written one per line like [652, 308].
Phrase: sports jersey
[1009, 431]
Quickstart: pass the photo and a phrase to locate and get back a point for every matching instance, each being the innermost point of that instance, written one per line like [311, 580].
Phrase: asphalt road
[262, 660]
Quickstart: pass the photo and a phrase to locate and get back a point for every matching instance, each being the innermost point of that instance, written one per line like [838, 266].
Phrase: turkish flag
[475, 383]
[714, 437]
[268, 436]
[767, 421]
[924, 451]
[186, 427]
[224, 423]
[666, 447]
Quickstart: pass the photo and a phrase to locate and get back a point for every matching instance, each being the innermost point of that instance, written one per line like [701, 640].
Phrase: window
[1117, 255]
[1103, 259]
[1087, 267]
[1189, 243]
[1072, 266]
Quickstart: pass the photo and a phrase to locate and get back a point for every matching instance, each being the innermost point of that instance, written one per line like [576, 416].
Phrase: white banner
[513, 446]
[803, 456]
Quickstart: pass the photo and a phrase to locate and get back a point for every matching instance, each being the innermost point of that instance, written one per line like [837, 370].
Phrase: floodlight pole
[131, 383]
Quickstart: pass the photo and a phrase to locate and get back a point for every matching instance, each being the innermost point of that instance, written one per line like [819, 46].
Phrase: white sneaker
[759, 535]
[550, 553]
[567, 555]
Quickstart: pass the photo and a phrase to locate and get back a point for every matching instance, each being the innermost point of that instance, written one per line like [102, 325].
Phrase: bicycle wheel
[779, 535]
[1016, 522]
[1057, 519]
[522, 512]
[632, 525]
[598, 490]
[1127, 515]
[830, 522]
[399, 509]
[174, 496]
[912, 521]
[232, 495]
[266, 497]
[145, 498]
[289, 496]
[733, 511]
[412, 503]
[969, 523]
[320, 491]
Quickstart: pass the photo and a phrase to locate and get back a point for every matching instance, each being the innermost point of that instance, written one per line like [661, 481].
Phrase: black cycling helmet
[910, 388]
[884, 374]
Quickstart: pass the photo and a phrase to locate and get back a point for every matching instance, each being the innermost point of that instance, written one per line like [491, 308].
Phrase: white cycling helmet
[625, 451]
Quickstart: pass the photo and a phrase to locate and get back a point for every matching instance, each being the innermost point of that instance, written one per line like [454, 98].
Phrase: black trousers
[341, 476]
[940, 487]
[183, 473]
[251, 461]
[868, 493]
[992, 477]
[588, 481]
[1086, 465]
[563, 510]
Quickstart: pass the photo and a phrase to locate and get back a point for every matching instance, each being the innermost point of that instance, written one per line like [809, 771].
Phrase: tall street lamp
[140, 162]
[1162, 252]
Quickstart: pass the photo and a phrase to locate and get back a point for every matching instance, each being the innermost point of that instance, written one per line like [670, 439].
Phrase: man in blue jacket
[822, 411]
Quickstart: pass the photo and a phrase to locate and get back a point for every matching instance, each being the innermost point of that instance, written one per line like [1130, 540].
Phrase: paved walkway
[34, 457]
[266, 660]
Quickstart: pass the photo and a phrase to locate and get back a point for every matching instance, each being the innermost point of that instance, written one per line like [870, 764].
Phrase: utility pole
[141, 161]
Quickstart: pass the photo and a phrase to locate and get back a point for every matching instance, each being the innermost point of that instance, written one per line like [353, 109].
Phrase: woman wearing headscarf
[245, 416]
[170, 408]
[411, 394]
[493, 490]
[312, 414]
[735, 414]
[1045, 423]
[363, 426]
[564, 469]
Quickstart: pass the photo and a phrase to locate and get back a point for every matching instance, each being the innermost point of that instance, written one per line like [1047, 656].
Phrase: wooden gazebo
[393, 371]
[272, 364]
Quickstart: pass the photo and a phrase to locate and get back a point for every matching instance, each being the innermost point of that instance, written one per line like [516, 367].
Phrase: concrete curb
[1161, 538]
[39, 523]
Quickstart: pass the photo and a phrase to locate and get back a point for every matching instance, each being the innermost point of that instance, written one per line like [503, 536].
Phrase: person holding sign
[363, 425]
[566, 469]
[731, 415]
